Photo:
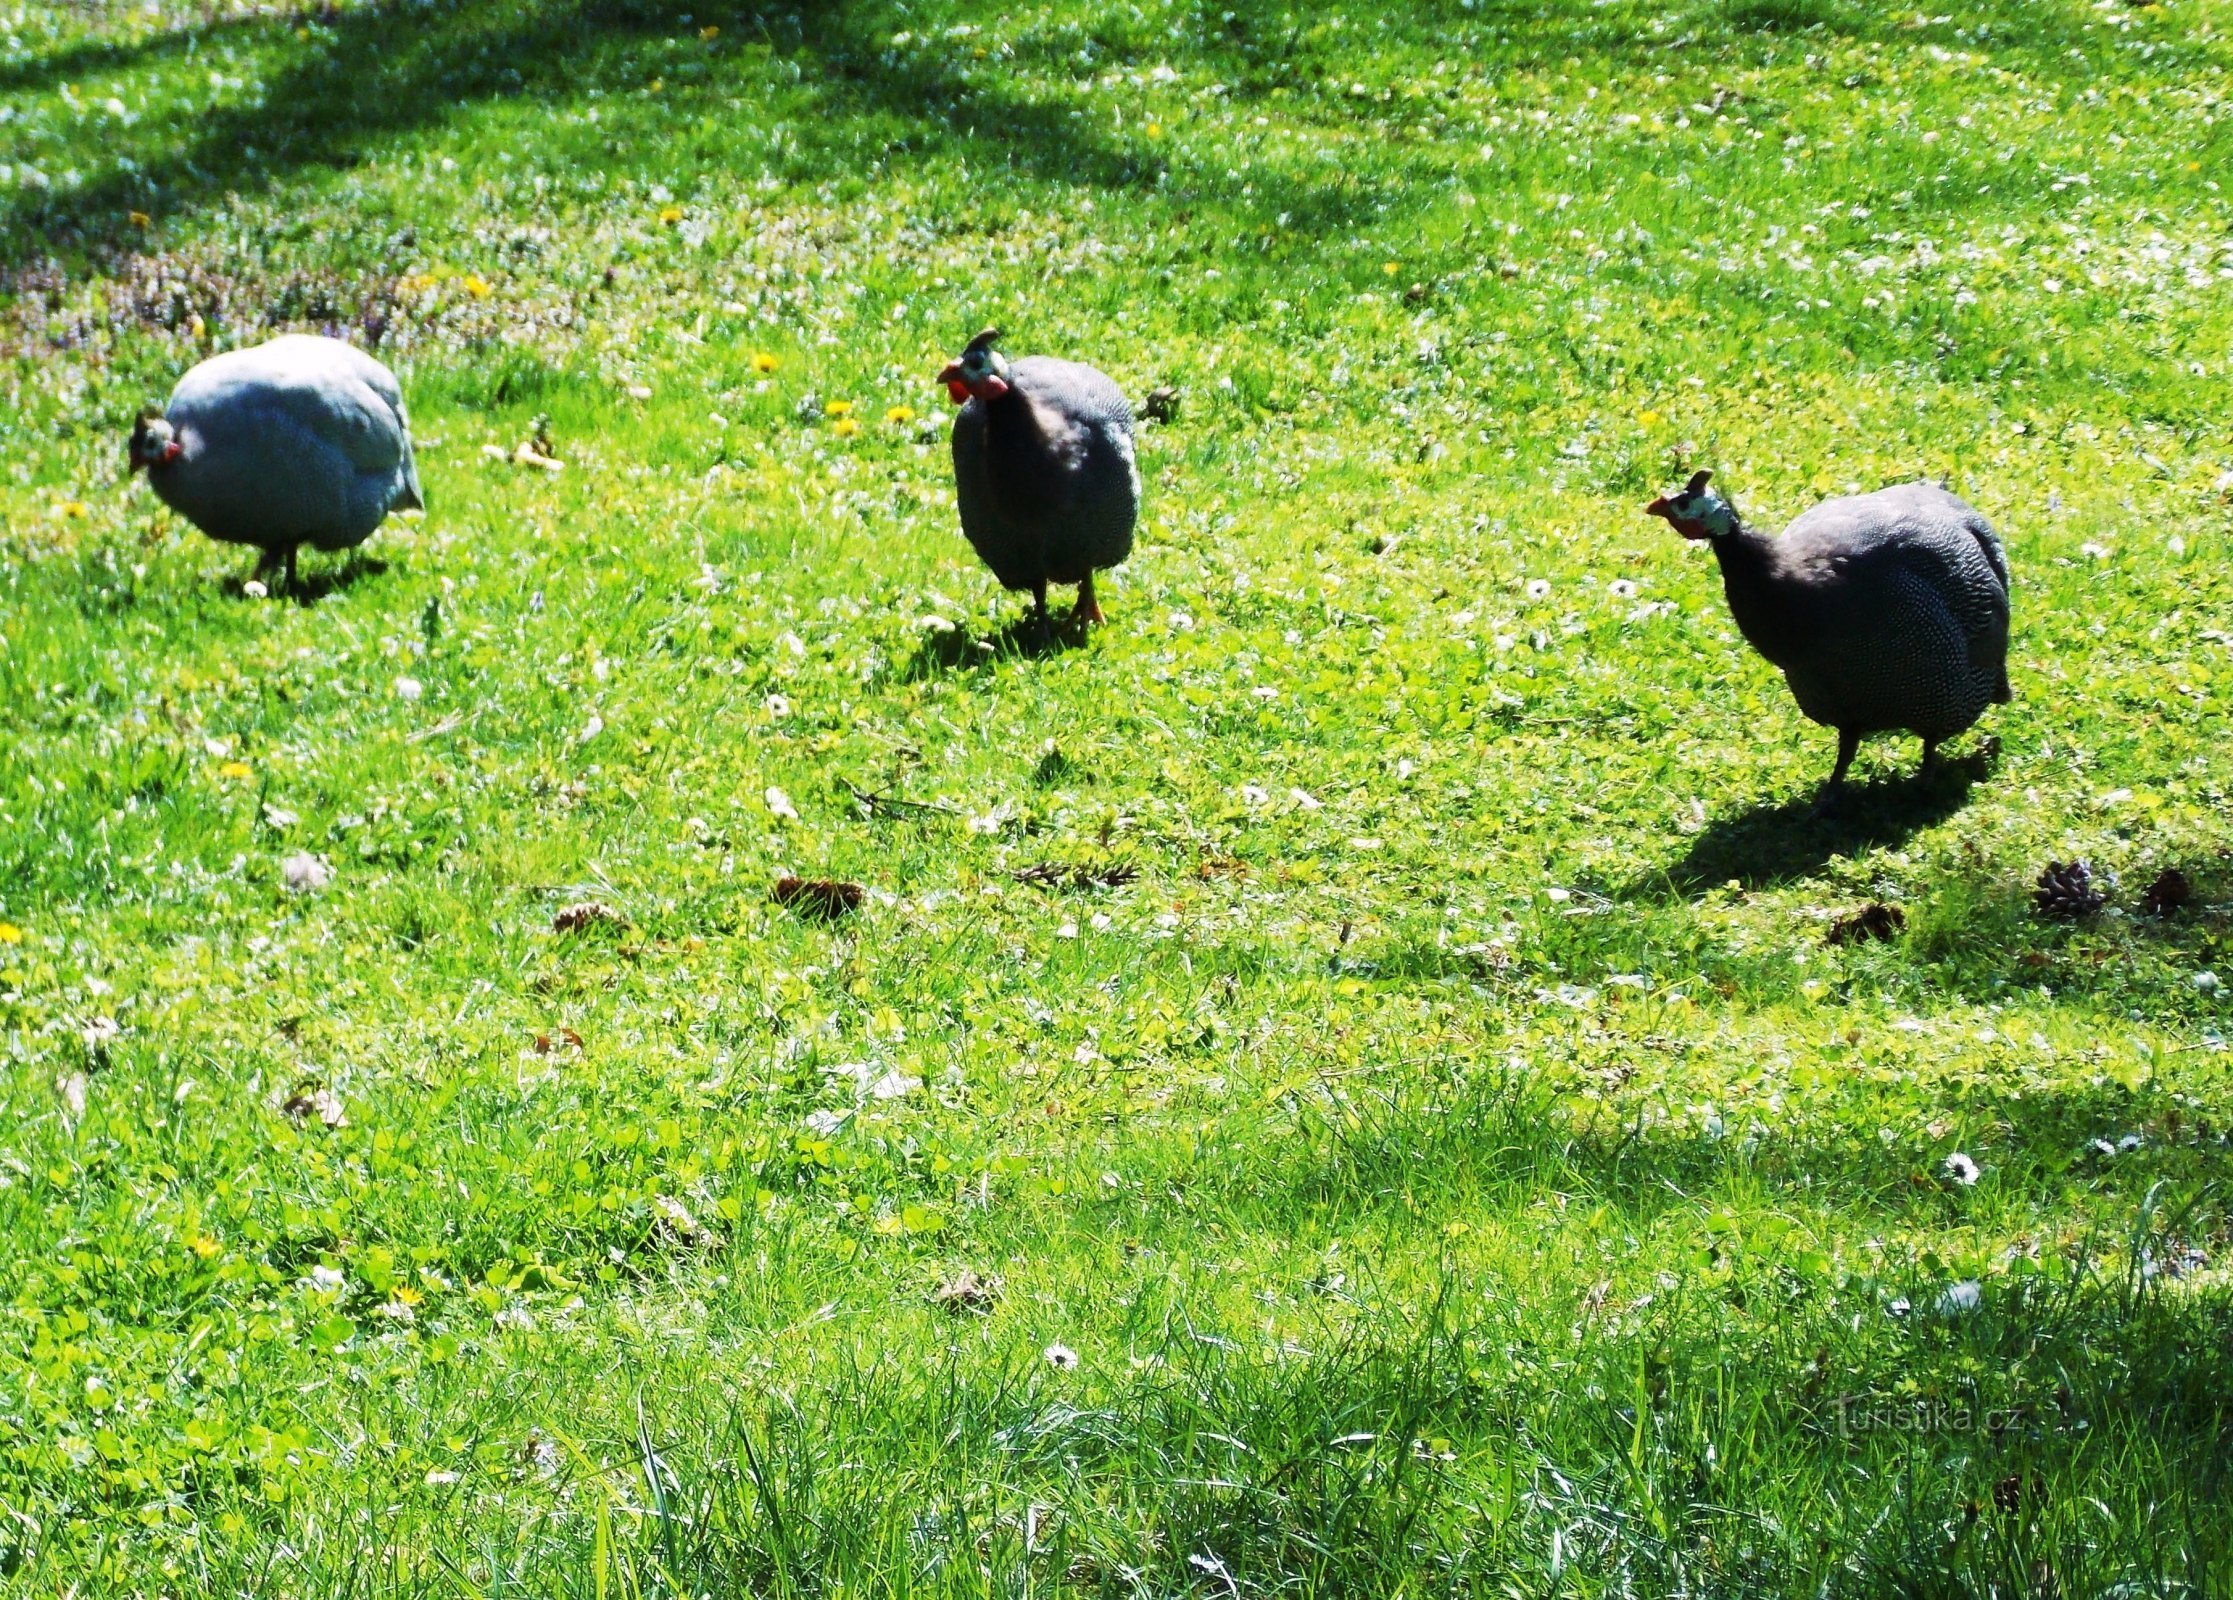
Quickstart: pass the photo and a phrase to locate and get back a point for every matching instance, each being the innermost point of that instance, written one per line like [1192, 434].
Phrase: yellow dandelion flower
[406, 1294]
[710, 32]
[1650, 419]
[763, 362]
[203, 1245]
[477, 286]
[140, 219]
[670, 215]
[10, 933]
[72, 511]
[900, 414]
[1390, 268]
[1155, 130]
[845, 427]
[656, 85]
[839, 408]
[234, 769]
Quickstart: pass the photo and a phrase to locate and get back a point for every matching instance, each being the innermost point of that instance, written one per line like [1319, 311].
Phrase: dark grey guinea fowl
[1044, 469]
[300, 441]
[1887, 612]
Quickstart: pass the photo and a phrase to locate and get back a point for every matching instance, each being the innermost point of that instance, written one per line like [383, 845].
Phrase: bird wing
[320, 388]
[1915, 540]
[375, 377]
[969, 469]
[1086, 484]
[1009, 548]
[1996, 556]
[1945, 542]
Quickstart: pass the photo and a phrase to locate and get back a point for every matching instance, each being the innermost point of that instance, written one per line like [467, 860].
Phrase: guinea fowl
[300, 441]
[1887, 612]
[1044, 469]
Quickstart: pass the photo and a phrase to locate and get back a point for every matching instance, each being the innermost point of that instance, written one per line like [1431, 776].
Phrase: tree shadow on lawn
[377, 74]
[1776, 842]
[1520, 1134]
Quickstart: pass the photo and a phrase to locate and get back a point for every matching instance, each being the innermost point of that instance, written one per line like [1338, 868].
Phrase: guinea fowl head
[981, 373]
[1696, 512]
[152, 442]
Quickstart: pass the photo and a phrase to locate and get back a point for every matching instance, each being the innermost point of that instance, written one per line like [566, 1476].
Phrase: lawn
[1342, 1082]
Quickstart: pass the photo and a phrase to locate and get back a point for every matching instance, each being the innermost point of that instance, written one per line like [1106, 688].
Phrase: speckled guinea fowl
[299, 441]
[1887, 612]
[1044, 469]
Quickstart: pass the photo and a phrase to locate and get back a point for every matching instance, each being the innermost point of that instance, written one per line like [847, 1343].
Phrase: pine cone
[2066, 892]
[2170, 892]
[823, 899]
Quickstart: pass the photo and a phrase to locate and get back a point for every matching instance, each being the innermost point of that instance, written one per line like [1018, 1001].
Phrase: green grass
[1456, 1160]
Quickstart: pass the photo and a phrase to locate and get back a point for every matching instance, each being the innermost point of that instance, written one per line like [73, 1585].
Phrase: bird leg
[1930, 759]
[280, 560]
[1089, 609]
[1834, 790]
[1043, 624]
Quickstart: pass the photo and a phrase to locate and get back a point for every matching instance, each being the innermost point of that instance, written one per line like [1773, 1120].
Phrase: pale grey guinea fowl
[1045, 471]
[299, 441]
[1887, 612]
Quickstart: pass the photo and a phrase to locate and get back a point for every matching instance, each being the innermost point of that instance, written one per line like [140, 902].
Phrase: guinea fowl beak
[1660, 508]
[957, 390]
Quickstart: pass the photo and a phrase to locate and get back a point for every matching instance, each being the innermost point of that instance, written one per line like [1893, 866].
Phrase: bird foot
[1828, 804]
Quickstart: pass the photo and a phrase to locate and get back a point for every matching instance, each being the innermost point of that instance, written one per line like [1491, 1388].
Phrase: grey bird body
[1887, 612]
[1046, 476]
[301, 441]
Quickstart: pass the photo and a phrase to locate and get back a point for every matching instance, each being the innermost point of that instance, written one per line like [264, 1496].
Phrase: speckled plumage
[1046, 475]
[1887, 612]
[299, 441]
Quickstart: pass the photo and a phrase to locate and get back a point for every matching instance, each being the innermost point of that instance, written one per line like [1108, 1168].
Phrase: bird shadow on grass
[1026, 637]
[310, 587]
[1769, 844]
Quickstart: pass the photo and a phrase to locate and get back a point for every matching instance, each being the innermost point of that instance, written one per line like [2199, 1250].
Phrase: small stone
[967, 1291]
[304, 873]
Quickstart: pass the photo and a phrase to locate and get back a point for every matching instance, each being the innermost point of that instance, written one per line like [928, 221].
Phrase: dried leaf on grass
[316, 1100]
[584, 916]
[2170, 892]
[1105, 875]
[1875, 920]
